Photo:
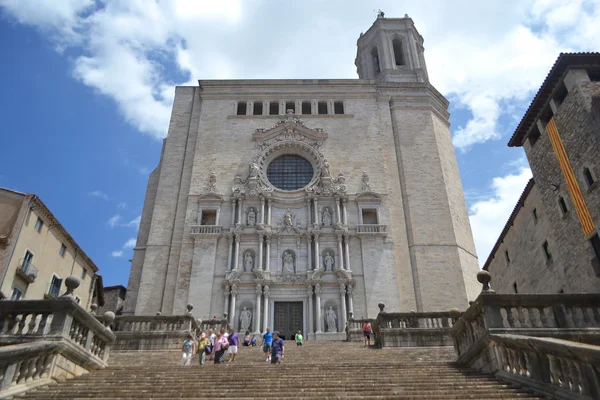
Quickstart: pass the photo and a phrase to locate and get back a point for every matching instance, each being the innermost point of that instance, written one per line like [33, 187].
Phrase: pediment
[290, 127]
[369, 196]
[210, 196]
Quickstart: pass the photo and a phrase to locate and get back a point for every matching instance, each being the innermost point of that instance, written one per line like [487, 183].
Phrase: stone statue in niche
[325, 172]
[287, 219]
[253, 170]
[364, 186]
[245, 319]
[328, 261]
[248, 261]
[331, 318]
[251, 217]
[327, 220]
[288, 262]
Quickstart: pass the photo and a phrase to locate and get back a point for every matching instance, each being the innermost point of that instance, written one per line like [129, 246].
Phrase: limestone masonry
[291, 203]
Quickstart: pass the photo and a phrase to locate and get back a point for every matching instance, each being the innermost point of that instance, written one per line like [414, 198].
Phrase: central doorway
[288, 318]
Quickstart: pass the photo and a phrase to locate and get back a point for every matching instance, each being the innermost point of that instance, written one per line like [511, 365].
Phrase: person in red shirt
[367, 332]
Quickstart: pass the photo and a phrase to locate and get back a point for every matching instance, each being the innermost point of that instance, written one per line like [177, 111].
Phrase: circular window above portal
[290, 172]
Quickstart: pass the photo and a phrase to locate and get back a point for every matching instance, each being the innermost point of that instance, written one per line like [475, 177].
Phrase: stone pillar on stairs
[318, 306]
[266, 308]
[350, 302]
[226, 293]
[342, 327]
[232, 313]
[309, 293]
[257, 309]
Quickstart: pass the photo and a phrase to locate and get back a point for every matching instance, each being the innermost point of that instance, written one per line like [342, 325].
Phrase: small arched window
[398, 56]
[375, 60]
[589, 178]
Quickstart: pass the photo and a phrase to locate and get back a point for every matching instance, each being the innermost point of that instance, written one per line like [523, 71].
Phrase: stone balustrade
[354, 331]
[215, 325]
[43, 340]
[414, 329]
[371, 229]
[152, 332]
[205, 230]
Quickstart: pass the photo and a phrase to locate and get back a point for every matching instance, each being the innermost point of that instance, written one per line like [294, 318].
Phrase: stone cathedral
[293, 204]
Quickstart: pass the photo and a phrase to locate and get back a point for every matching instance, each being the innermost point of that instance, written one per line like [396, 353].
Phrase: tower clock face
[290, 172]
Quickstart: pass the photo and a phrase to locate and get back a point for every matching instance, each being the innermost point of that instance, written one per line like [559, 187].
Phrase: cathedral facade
[290, 204]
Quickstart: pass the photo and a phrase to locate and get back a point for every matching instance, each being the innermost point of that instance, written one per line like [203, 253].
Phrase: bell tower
[391, 51]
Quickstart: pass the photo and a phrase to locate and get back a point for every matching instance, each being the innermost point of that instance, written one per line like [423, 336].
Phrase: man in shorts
[277, 349]
[367, 332]
[233, 344]
[266, 344]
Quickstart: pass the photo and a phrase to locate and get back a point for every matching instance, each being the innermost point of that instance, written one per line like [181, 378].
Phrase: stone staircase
[322, 370]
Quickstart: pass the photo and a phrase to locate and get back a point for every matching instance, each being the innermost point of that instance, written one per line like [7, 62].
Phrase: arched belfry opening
[398, 54]
[375, 60]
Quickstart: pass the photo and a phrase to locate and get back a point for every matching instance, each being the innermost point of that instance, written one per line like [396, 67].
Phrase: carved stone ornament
[211, 186]
[316, 274]
[288, 223]
[288, 277]
[233, 275]
[328, 186]
[365, 186]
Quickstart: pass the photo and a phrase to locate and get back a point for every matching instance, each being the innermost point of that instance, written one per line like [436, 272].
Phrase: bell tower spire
[391, 51]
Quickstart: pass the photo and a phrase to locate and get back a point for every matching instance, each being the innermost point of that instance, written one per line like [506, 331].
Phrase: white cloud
[130, 244]
[114, 221]
[134, 223]
[99, 194]
[483, 55]
[117, 253]
[122, 205]
[488, 216]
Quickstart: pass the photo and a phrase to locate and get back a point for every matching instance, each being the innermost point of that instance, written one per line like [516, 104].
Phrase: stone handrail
[54, 320]
[206, 230]
[215, 325]
[354, 331]
[557, 315]
[559, 368]
[414, 328]
[371, 229]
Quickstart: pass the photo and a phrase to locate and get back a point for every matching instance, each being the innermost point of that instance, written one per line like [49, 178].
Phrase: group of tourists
[222, 346]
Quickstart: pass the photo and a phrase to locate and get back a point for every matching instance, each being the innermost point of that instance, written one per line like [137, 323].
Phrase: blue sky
[87, 87]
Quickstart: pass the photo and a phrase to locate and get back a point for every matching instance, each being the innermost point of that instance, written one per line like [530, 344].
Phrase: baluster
[522, 363]
[22, 372]
[47, 364]
[569, 317]
[503, 358]
[509, 317]
[42, 324]
[574, 373]
[12, 320]
[30, 369]
[511, 361]
[22, 323]
[585, 311]
[32, 324]
[577, 317]
[543, 320]
[2, 319]
[566, 376]
[39, 366]
[521, 317]
[555, 372]
[17, 374]
[596, 315]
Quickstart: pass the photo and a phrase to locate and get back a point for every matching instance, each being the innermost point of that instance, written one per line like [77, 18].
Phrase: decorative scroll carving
[211, 187]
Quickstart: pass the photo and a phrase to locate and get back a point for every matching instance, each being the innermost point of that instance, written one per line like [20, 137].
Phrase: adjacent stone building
[291, 203]
[114, 297]
[550, 243]
[37, 253]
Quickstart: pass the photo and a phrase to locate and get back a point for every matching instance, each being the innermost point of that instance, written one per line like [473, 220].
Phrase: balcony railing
[206, 230]
[371, 229]
[27, 271]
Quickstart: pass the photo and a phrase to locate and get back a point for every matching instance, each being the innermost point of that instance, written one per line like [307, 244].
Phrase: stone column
[345, 211]
[268, 255]
[269, 201]
[266, 313]
[316, 213]
[346, 240]
[309, 293]
[237, 252]
[309, 250]
[239, 220]
[342, 327]
[308, 213]
[317, 253]
[233, 201]
[337, 210]
[232, 313]
[229, 254]
[226, 293]
[259, 261]
[350, 302]
[318, 307]
[262, 210]
[340, 251]
[257, 309]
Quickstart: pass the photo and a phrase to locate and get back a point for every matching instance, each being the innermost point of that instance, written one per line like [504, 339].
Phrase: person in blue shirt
[266, 344]
[277, 349]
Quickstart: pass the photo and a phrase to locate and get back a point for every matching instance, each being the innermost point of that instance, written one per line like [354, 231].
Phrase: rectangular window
[38, 225]
[595, 242]
[290, 105]
[369, 216]
[306, 108]
[17, 294]
[209, 217]
[258, 108]
[55, 285]
[338, 107]
[83, 274]
[63, 250]
[563, 205]
[241, 108]
[274, 108]
[322, 107]
[507, 257]
[27, 261]
[587, 175]
[535, 214]
[547, 252]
